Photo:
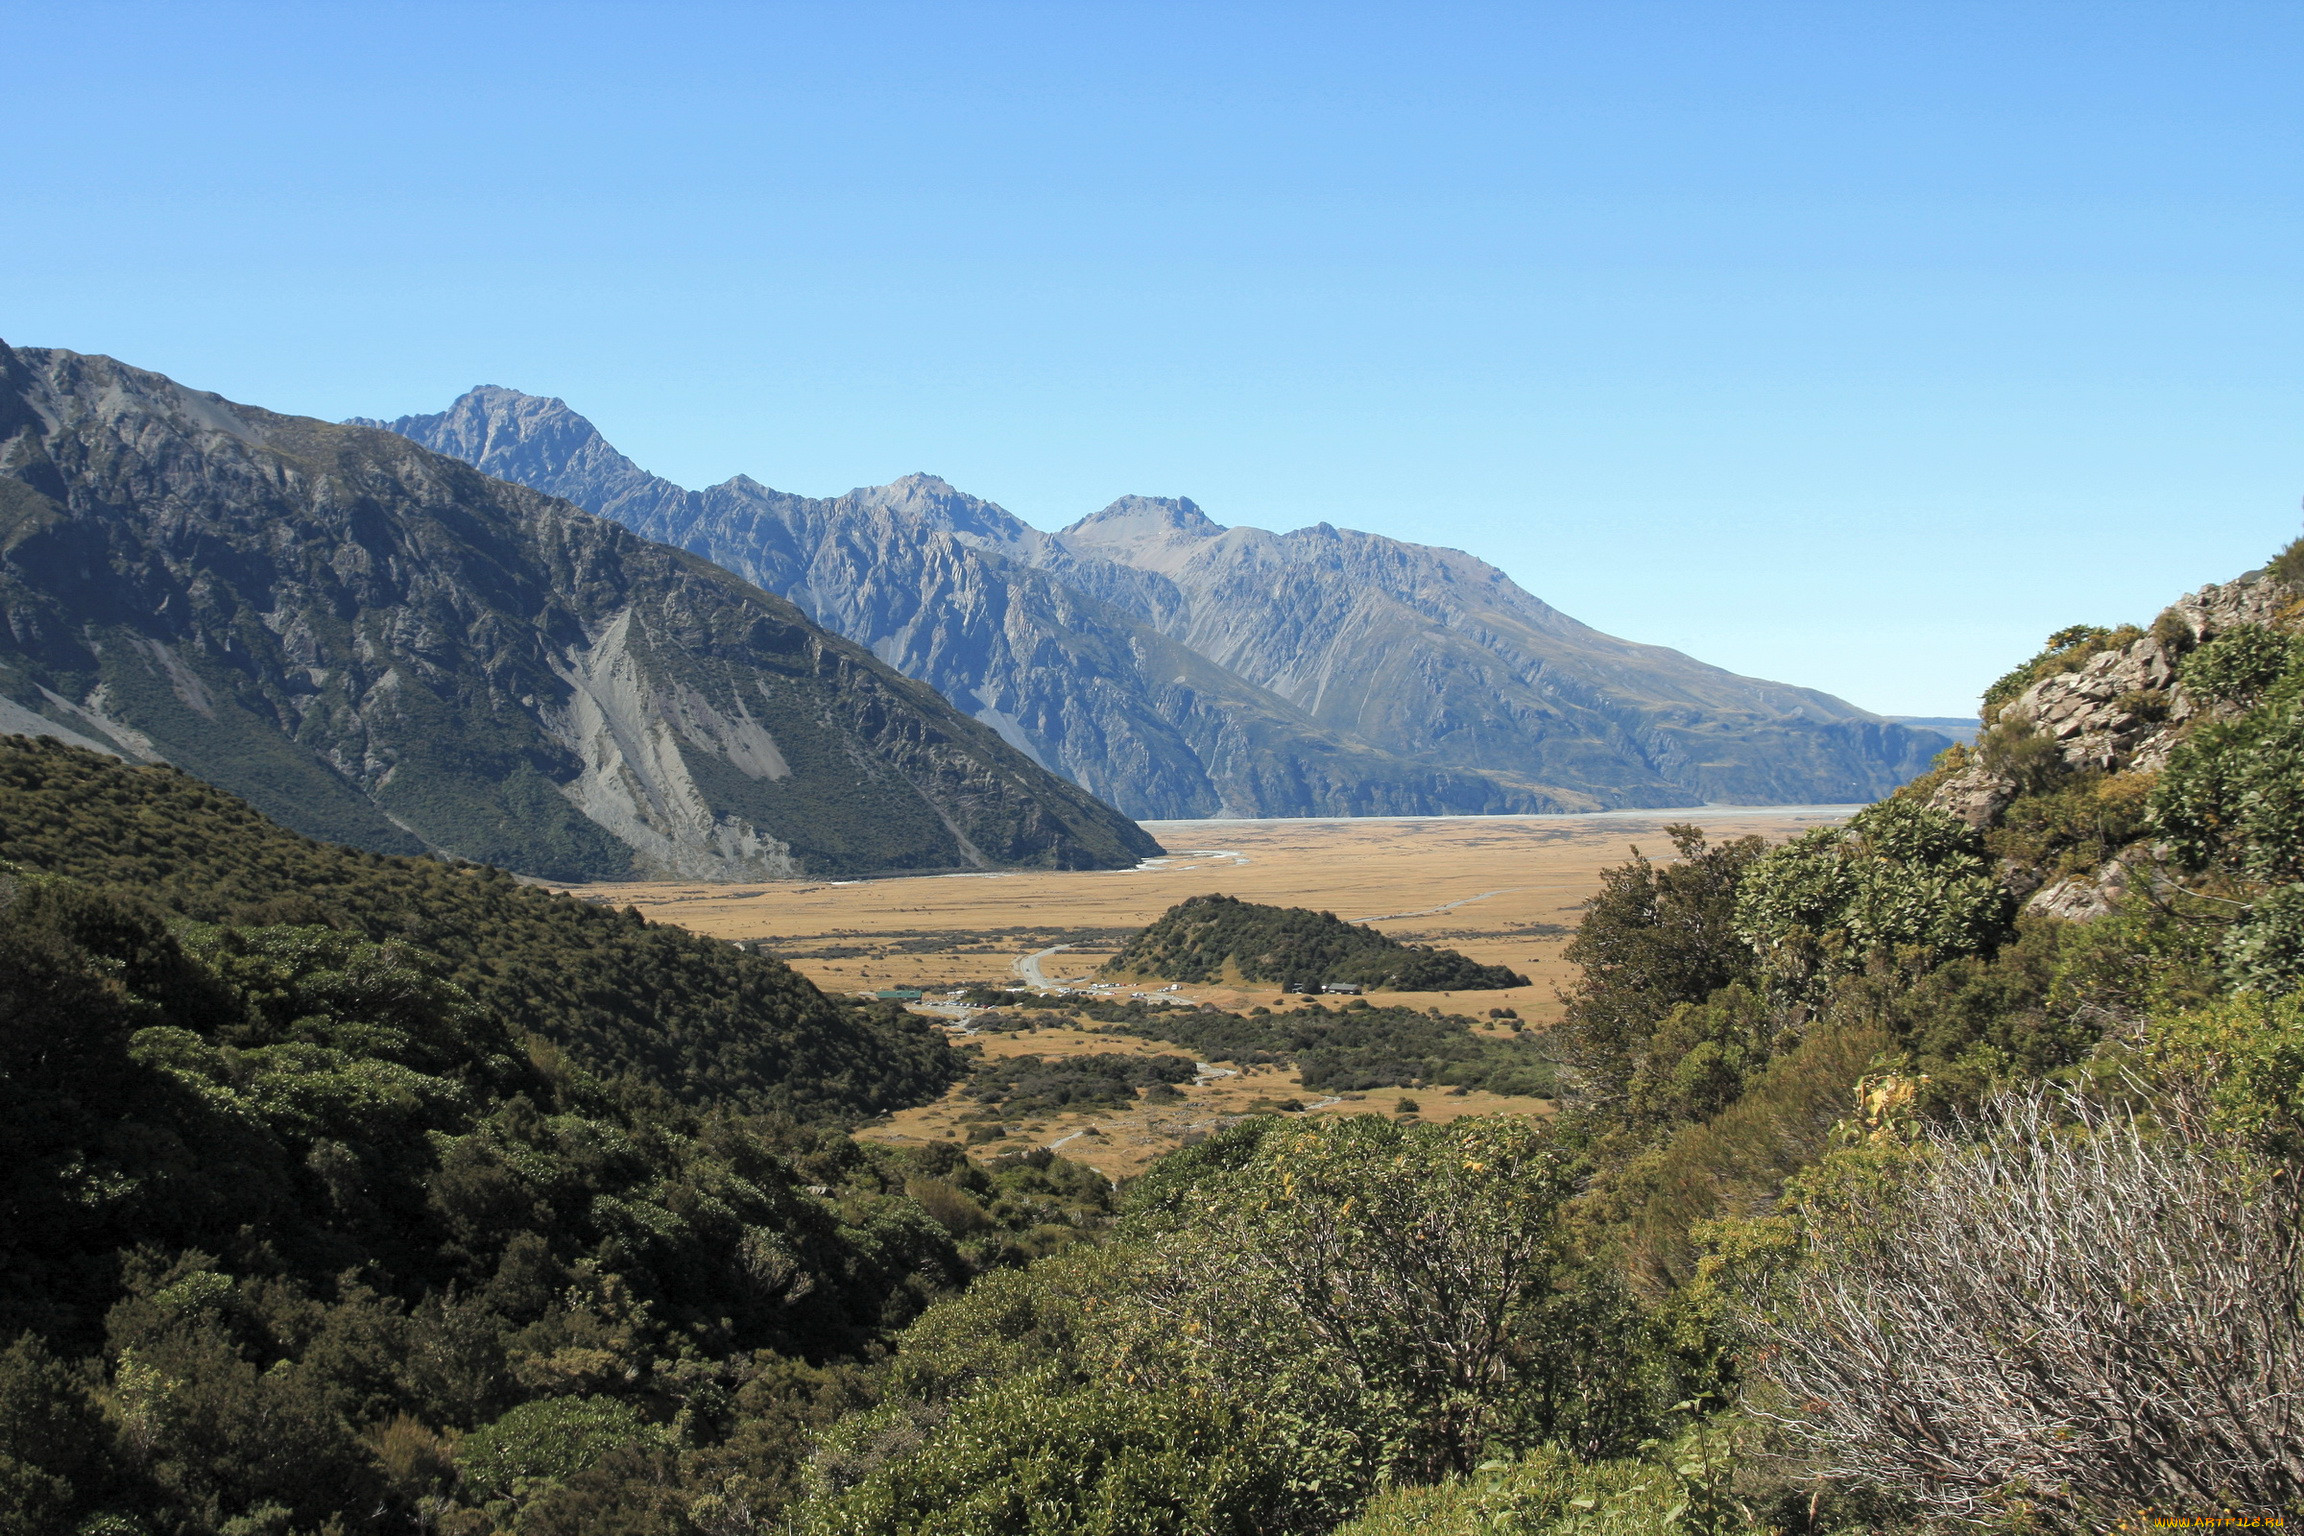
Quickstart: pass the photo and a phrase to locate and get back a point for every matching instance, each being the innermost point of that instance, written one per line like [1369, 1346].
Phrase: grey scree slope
[1177, 668]
[379, 645]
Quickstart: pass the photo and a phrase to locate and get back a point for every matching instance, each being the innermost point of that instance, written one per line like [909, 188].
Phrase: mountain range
[1179, 668]
[378, 645]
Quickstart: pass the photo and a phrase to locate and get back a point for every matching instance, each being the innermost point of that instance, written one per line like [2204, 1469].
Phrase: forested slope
[308, 1224]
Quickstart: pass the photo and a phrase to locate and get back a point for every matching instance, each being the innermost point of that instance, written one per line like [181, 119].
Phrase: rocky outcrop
[378, 645]
[2121, 710]
[1179, 668]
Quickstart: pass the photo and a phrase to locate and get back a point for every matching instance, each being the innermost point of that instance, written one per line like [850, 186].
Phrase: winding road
[1028, 967]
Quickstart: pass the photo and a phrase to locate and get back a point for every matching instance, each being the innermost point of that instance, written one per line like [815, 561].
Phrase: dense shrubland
[1346, 1049]
[1883, 1199]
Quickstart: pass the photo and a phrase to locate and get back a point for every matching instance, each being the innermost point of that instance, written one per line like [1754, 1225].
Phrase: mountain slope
[1431, 652]
[377, 645]
[1180, 669]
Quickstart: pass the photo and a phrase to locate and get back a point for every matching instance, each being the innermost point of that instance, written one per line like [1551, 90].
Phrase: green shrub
[1899, 880]
[2021, 754]
[2287, 566]
[2239, 665]
[695, 1018]
[2174, 632]
[1045, 1454]
[1655, 937]
[2246, 1054]
[545, 1441]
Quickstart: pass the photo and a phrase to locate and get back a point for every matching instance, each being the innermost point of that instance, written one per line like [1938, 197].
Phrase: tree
[1656, 936]
[1416, 1271]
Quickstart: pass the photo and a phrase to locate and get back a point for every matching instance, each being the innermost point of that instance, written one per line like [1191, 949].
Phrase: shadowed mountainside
[378, 645]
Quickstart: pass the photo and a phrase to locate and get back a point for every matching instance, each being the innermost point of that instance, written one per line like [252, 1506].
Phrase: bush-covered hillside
[296, 1236]
[699, 1019]
[1219, 938]
[1359, 1046]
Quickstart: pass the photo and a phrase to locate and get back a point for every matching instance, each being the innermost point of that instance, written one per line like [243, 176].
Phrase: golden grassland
[1503, 890]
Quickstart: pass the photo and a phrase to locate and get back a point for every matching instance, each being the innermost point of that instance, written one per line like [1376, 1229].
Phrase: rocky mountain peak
[935, 501]
[1151, 533]
[536, 440]
[451, 662]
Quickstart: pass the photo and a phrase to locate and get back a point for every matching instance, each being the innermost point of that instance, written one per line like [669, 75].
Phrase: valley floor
[1505, 890]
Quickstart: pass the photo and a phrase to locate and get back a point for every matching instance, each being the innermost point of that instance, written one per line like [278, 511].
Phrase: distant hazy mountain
[378, 645]
[1961, 728]
[1179, 668]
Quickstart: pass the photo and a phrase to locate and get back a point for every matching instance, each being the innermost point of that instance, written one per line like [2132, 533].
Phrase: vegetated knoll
[379, 645]
[1217, 937]
[697, 1018]
[1182, 669]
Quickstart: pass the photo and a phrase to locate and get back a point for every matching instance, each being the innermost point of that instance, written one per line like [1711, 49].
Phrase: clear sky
[1856, 344]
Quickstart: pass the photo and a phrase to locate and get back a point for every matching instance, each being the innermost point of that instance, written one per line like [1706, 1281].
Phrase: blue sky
[1857, 345]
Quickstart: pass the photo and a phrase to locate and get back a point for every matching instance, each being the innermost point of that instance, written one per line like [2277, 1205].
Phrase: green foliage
[2246, 1055]
[1041, 1453]
[1898, 879]
[2287, 567]
[2074, 823]
[57, 1464]
[1702, 1054]
[2023, 755]
[2067, 650]
[1208, 937]
[1354, 1048]
[2230, 806]
[1296, 1312]
[1653, 938]
[547, 1441]
[2230, 798]
[1689, 1484]
[693, 1017]
[1415, 1273]
[1735, 1163]
[300, 1210]
[2238, 665]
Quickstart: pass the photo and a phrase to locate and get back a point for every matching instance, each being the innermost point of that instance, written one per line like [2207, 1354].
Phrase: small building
[899, 995]
[1348, 988]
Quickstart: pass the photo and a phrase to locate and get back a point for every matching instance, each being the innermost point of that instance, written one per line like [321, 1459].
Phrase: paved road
[1028, 967]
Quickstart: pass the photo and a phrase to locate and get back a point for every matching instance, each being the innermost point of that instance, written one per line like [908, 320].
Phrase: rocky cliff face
[1178, 668]
[378, 645]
